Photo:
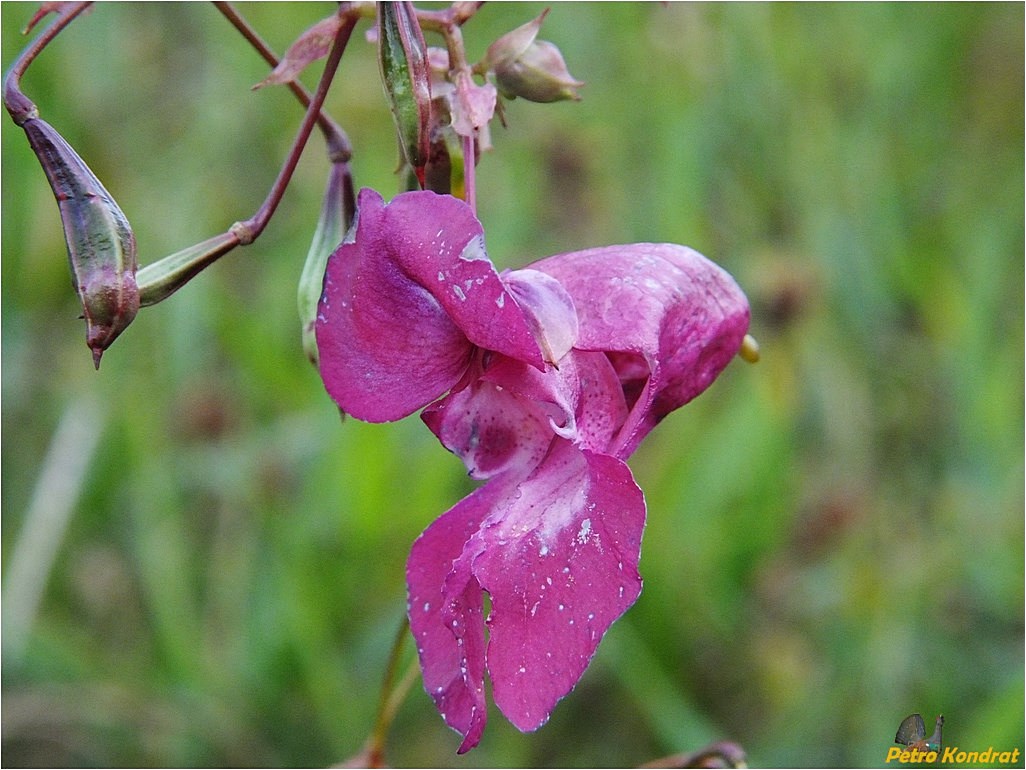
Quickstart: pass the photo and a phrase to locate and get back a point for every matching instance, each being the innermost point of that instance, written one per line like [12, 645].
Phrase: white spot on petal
[585, 533]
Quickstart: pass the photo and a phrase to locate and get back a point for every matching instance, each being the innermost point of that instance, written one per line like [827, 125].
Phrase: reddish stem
[339, 149]
[248, 230]
[18, 105]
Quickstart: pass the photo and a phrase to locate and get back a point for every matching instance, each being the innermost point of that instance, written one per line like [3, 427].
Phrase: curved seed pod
[101, 245]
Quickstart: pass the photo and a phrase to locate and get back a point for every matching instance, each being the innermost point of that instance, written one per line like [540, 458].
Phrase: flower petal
[438, 242]
[406, 297]
[548, 308]
[386, 346]
[601, 408]
[472, 106]
[492, 429]
[560, 564]
[684, 315]
[445, 611]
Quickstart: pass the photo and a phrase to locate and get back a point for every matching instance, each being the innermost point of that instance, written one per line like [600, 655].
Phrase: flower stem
[723, 754]
[339, 149]
[469, 188]
[18, 105]
[248, 230]
[392, 695]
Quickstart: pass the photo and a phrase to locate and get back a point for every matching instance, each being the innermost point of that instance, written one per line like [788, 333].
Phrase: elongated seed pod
[101, 245]
[402, 56]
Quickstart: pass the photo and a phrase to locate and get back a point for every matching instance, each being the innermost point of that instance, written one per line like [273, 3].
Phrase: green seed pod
[402, 55]
[101, 246]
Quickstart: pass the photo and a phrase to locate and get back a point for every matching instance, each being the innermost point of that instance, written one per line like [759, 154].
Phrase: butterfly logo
[912, 733]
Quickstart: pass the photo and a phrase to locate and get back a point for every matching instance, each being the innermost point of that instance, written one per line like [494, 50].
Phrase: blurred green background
[835, 535]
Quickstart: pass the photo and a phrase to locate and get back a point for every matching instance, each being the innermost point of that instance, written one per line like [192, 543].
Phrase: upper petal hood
[682, 314]
[407, 296]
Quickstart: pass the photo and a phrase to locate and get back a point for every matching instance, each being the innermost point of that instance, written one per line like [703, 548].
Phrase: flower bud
[101, 245]
[530, 68]
[336, 216]
[539, 74]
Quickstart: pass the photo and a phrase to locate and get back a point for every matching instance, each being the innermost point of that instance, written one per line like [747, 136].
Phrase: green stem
[392, 696]
[161, 279]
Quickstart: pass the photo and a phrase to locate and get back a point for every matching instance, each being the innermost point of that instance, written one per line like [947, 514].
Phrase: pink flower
[543, 381]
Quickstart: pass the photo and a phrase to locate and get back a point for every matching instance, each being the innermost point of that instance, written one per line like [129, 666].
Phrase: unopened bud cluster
[530, 68]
